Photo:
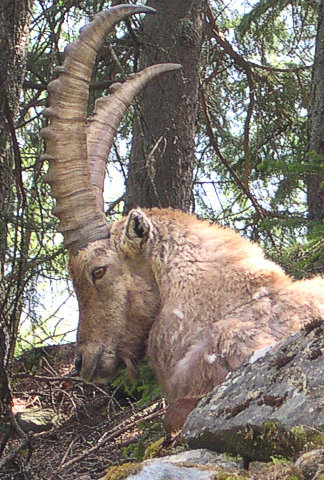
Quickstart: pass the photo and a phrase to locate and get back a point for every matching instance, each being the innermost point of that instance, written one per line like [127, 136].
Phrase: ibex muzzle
[197, 298]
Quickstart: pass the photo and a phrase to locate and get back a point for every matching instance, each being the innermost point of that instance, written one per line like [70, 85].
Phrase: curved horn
[108, 113]
[81, 220]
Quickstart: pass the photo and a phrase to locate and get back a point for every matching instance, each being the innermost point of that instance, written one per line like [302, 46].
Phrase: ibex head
[111, 293]
[118, 300]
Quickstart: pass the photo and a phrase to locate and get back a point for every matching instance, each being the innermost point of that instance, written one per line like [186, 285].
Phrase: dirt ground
[94, 427]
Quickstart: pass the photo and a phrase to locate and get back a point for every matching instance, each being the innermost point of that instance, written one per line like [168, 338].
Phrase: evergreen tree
[14, 20]
[162, 158]
[315, 189]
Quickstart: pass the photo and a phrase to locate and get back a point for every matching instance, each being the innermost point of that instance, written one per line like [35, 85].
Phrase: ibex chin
[198, 299]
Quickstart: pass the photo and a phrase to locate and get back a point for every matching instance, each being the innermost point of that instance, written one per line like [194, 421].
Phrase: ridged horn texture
[108, 113]
[81, 219]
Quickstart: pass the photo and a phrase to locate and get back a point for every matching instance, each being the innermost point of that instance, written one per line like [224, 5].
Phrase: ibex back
[197, 298]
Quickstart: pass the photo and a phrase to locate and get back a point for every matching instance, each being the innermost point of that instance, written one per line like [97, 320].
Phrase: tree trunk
[14, 19]
[315, 189]
[162, 157]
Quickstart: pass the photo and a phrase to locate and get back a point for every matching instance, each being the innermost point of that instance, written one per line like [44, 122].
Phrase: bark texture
[162, 157]
[14, 20]
[315, 190]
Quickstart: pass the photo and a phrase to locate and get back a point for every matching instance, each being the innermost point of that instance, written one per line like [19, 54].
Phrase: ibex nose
[78, 363]
[87, 360]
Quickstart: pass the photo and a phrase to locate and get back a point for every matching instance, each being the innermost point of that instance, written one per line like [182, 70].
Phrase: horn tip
[175, 66]
[147, 9]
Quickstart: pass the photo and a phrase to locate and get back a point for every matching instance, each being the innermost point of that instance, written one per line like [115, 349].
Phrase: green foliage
[145, 390]
[302, 260]
[256, 81]
[150, 431]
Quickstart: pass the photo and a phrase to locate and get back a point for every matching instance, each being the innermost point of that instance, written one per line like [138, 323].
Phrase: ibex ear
[137, 230]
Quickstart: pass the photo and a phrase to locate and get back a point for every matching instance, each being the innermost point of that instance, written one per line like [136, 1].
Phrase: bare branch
[244, 65]
[214, 143]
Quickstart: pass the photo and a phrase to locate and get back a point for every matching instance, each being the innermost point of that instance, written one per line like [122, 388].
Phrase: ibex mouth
[101, 367]
[97, 366]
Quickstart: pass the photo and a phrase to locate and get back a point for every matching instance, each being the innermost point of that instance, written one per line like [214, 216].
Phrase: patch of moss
[309, 439]
[299, 433]
[150, 431]
[154, 449]
[278, 459]
[278, 469]
[314, 441]
[162, 448]
[123, 471]
[232, 456]
[272, 440]
[283, 471]
[224, 475]
[263, 442]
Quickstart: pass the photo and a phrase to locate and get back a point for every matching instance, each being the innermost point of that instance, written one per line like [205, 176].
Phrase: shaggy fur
[197, 298]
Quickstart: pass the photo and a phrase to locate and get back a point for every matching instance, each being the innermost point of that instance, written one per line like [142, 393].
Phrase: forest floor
[95, 427]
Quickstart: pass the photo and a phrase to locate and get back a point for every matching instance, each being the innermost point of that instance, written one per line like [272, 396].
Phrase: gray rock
[204, 457]
[269, 406]
[38, 420]
[191, 465]
[311, 464]
[168, 471]
[207, 465]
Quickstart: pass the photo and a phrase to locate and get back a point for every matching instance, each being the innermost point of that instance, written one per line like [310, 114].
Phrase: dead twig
[246, 67]
[47, 378]
[68, 450]
[105, 438]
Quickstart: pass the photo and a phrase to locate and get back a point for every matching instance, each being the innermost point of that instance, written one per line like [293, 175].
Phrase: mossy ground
[123, 471]
[271, 440]
[223, 475]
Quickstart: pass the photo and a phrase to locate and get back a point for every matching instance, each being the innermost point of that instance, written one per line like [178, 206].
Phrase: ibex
[198, 299]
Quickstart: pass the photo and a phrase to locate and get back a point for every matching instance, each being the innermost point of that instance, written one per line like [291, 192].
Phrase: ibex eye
[98, 273]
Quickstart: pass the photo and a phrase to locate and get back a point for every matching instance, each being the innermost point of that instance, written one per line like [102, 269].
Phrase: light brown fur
[197, 298]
